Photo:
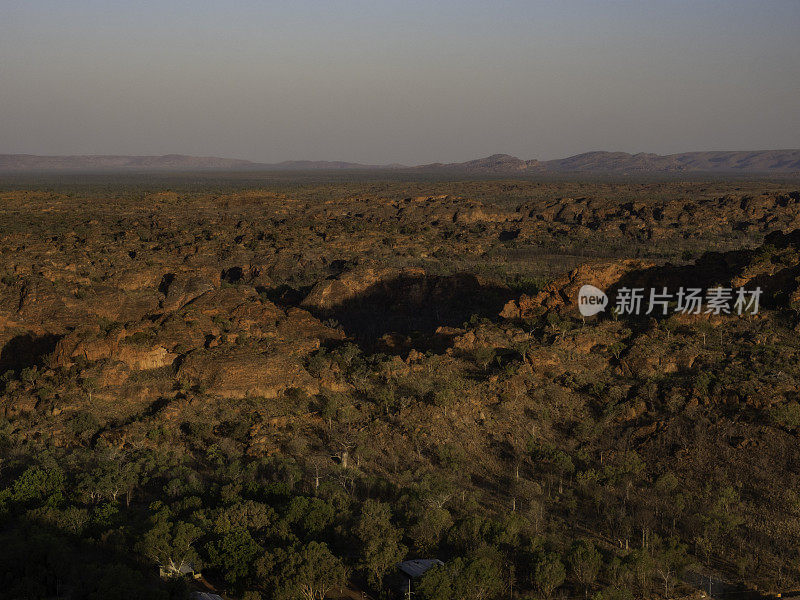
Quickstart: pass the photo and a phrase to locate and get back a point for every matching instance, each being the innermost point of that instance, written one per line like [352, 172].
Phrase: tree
[584, 562]
[111, 478]
[313, 515]
[234, 554]
[613, 593]
[319, 571]
[642, 565]
[37, 484]
[478, 578]
[251, 515]
[549, 573]
[308, 572]
[427, 531]
[562, 463]
[379, 541]
[170, 544]
[670, 560]
[619, 574]
[437, 584]
[481, 577]
[470, 533]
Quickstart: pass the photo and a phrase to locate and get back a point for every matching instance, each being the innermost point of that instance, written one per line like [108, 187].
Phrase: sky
[397, 81]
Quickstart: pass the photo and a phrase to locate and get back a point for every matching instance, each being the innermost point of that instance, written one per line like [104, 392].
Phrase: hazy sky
[403, 81]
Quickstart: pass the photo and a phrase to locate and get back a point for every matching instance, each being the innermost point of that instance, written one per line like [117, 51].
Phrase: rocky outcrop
[241, 373]
[90, 345]
[476, 212]
[329, 294]
[562, 293]
[181, 289]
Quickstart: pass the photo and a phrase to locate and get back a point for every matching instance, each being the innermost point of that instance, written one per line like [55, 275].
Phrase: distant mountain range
[756, 161]
[759, 161]
[167, 162]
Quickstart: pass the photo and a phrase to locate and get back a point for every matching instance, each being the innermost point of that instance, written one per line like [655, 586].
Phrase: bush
[786, 415]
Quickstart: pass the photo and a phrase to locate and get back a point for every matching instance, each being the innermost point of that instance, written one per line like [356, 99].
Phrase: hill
[752, 162]
[167, 162]
[759, 161]
[30, 162]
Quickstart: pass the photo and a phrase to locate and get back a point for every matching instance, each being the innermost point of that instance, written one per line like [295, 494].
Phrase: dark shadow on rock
[711, 270]
[284, 295]
[26, 350]
[398, 314]
[233, 275]
[508, 235]
[165, 282]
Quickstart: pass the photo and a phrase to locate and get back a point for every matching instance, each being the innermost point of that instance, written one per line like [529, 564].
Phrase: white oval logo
[591, 300]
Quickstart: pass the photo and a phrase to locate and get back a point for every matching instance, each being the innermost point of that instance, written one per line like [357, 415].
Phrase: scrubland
[294, 383]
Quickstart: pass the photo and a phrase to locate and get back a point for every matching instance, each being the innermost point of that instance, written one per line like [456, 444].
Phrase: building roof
[419, 566]
[205, 596]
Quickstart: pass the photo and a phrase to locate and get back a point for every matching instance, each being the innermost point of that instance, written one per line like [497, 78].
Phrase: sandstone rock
[84, 342]
[88, 344]
[40, 301]
[348, 286]
[181, 289]
[476, 213]
[112, 374]
[117, 305]
[138, 358]
[634, 411]
[241, 373]
[302, 332]
[563, 292]
[136, 279]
